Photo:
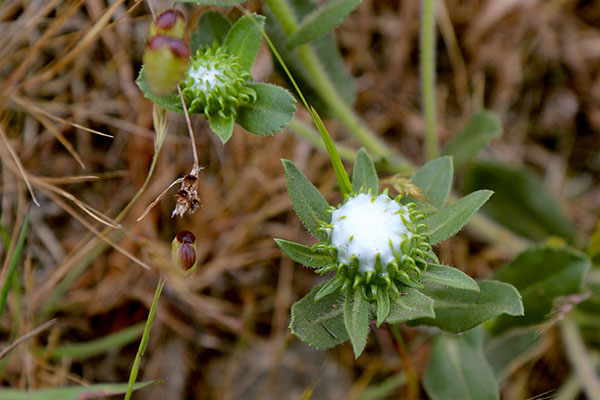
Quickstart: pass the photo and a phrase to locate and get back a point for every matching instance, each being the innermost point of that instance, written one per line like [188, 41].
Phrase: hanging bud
[183, 250]
[166, 60]
[169, 23]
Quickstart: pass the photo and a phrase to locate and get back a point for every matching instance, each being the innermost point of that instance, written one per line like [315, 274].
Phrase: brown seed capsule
[170, 23]
[186, 256]
[186, 237]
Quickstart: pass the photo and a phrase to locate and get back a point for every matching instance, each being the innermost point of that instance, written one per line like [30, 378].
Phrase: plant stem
[412, 389]
[427, 65]
[579, 357]
[327, 91]
[145, 336]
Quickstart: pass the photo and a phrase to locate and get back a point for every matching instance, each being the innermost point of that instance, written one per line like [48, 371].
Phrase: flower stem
[145, 336]
[427, 64]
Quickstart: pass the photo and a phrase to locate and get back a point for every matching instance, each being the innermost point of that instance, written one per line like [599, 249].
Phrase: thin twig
[159, 198]
[26, 336]
[149, 2]
[189, 125]
[19, 165]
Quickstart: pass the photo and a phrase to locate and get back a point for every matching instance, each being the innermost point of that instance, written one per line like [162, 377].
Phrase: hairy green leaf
[320, 324]
[304, 255]
[435, 180]
[451, 219]
[308, 203]
[170, 102]
[356, 318]
[448, 276]
[212, 27]
[222, 127]
[331, 286]
[364, 174]
[521, 203]
[458, 369]
[460, 310]
[95, 391]
[408, 306]
[542, 274]
[273, 109]
[244, 38]
[321, 20]
[482, 127]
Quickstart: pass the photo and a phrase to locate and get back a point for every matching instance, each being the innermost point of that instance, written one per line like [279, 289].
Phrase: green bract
[215, 83]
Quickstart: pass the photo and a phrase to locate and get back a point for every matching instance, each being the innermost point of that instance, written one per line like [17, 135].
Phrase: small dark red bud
[167, 19]
[186, 255]
[177, 46]
[186, 237]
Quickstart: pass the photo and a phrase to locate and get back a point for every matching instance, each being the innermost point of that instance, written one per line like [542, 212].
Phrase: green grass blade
[12, 266]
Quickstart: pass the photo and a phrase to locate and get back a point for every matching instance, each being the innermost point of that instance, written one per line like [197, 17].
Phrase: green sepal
[383, 305]
[321, 324]
[304, 255]
[244, 38]
[356, 319]
[330, 287]
[448, 276]
[308, 202]
[271, 112]
[222, 127]
[364, 174]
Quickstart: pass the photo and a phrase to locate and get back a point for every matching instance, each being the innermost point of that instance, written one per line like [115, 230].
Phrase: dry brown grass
[67, 71]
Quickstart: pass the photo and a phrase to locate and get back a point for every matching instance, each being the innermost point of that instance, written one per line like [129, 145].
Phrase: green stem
[427, 64]
[579, 357]
[412, 383]
[327, 91]
[145, 336]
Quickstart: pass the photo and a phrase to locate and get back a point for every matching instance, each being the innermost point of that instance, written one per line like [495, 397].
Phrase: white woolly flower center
[205, 77]
[367, 226]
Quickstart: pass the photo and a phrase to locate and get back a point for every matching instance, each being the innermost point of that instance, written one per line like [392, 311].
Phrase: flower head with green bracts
[376, 252]
[218, 83]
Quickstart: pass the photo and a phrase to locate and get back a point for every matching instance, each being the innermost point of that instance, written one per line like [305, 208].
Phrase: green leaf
[304, 255]
[273, 109]
[509, 352]
[448, 276]
[327, 52]
[521, 203]
[222, 127]
[330, 287]
[451, 219]
[321, 20]
[457, 369]
[244, 38]
[542, 274]
[482, 127]
[356, 318]
[14, 261]
[408, 306]
[383, 306]
[212, 27]
[220, 3]
[460, 310]
[435, 179]
[96, 391]
[364, 174]
[321, 324]
[308, 203]
[170, 102]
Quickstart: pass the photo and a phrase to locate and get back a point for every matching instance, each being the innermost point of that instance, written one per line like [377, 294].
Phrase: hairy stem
[145, 336]
[427, 66]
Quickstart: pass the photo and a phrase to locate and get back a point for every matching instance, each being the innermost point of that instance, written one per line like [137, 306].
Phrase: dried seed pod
[183, 251]
[170, 22]
[166, 60]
